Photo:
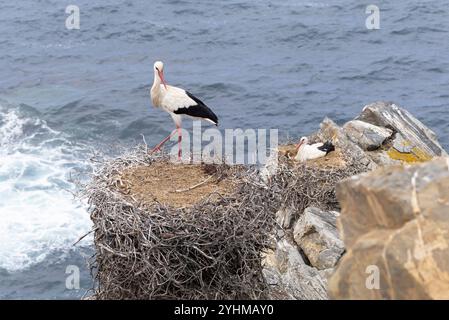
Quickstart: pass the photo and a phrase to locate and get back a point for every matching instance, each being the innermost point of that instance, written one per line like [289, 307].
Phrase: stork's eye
[157, 68]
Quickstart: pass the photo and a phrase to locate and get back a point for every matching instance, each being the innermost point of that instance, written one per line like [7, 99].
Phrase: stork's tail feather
[327, 147]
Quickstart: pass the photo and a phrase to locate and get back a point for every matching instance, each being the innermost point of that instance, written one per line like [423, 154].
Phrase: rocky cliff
[395, 225]
[394, 218]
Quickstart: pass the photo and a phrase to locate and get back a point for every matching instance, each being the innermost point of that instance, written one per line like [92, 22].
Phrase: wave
[38, 214]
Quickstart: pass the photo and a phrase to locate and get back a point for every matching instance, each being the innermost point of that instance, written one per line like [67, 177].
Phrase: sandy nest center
[176, 185]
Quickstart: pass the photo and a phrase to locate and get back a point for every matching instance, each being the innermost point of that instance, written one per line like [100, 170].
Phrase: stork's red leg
[179, 143]
[158, 147]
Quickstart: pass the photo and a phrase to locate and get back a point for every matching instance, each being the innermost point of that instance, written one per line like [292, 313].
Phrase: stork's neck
[156, 82]
[156, 90]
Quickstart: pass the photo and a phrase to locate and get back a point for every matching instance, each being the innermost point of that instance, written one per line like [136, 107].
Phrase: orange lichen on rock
[416, 155]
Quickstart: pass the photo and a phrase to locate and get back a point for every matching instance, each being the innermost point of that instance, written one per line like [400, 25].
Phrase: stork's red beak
[161, 75]
[299, 145]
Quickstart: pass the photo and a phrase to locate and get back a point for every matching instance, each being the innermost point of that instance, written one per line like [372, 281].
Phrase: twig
[145, 142]
[195, 186]
[83, 237]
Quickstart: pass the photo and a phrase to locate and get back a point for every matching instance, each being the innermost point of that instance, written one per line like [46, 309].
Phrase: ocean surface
[259, 64]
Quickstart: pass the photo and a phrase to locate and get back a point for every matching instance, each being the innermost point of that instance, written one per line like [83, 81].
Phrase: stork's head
[302, 141]
[159, 72]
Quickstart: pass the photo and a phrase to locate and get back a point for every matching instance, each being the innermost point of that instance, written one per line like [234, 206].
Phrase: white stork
[314, 151]
[177, 102]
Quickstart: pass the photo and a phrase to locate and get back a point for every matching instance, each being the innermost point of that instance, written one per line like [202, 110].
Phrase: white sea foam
[38, 215]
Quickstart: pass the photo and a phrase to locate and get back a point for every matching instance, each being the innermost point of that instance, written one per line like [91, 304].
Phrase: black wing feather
[327, 147]
[200, 110]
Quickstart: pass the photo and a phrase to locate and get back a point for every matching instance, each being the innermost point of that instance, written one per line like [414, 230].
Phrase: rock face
[368, 136]
[316, 234]
[419, 140]
[393, 220]
[395, 225]
[304, 256]
[329, 131]
[384, 134]
[289, 276]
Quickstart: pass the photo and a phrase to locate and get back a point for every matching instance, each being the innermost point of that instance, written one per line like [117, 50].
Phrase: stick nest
[312, 183]
[148, 248]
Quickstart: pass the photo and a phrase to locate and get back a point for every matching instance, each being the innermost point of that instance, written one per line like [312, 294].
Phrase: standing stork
[177, 102]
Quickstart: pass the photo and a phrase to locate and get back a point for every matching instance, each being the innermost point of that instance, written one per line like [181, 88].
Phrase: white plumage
[172, 99]
[177, 102]
[308, 151]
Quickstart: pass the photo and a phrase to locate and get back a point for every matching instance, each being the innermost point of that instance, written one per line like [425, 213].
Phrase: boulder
[289, 276]
[329, 131]
[316, 234]
[367, 136]
[383, 134]
[395, 225]
[414, 142]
